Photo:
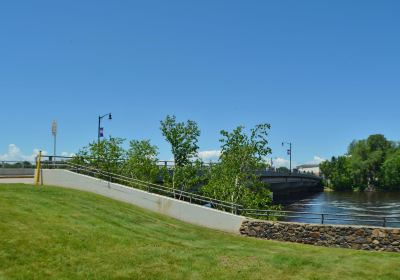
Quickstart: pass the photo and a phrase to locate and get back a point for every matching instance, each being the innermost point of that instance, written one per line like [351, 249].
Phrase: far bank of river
[348, 203]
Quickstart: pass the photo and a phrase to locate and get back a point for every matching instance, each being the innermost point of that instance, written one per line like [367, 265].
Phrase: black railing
[324, 218]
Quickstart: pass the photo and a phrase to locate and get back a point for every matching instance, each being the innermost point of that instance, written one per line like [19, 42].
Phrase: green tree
[341, 176]
[283, 169]
[107, 154]
[142, 160]
[326, 168]
[191, 176]
[362, 167]
[235, 177]
[183, 138]
[367, 158]
[391, 172]
[337, 173]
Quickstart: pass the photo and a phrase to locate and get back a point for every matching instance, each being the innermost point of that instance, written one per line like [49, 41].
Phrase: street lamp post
[289, 151]
[99, 128]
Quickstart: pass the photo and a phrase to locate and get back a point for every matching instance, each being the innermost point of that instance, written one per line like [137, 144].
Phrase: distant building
[309, 168]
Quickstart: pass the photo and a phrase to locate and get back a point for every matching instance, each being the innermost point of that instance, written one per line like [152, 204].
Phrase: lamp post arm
[100, 117]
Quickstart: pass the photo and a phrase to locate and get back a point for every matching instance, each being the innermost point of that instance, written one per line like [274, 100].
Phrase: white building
[309, 168]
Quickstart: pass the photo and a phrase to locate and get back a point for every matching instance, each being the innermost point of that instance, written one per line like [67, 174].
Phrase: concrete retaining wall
[355, 237]
[181, 210]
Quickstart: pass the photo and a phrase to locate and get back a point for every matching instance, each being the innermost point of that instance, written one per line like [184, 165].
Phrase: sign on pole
[54, 132]
[54, 128]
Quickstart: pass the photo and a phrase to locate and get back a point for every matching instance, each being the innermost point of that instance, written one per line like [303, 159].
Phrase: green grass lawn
[56, 233]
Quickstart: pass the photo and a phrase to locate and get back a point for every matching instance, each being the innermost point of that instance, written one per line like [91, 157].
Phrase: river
[347, 206]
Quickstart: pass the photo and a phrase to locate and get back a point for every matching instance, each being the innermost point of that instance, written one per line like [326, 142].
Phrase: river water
[348, 208]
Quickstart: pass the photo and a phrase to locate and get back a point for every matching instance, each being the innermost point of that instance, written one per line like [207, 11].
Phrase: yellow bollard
[37, 171]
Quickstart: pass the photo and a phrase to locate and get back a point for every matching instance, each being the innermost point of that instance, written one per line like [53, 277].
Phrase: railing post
[238, 210]
[322, 218]
[384, 222]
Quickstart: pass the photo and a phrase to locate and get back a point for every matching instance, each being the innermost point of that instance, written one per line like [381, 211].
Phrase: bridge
[289, 184]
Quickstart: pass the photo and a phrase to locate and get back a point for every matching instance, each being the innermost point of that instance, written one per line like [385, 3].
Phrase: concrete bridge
[289, 184]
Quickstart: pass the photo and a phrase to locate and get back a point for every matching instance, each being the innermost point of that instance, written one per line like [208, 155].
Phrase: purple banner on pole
[101, 132]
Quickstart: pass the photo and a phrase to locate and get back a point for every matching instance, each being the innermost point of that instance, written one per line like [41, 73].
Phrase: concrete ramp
[181, 210]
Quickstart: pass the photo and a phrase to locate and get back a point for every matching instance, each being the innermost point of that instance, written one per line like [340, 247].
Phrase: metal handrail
[314, 213]
[150, 187]
[323, 217]
[155, 185]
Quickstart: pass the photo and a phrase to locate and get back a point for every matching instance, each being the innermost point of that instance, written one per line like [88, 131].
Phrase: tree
[107, 154]
[391, 172]
[235, 177]
[367, 158]
[338, 173]
[183, 138]
[326, 168]
[283, 169]
[363, 166]
[191, 176]
[142, 160]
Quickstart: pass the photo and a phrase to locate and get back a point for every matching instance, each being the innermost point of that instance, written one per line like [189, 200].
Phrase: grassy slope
[60, 233]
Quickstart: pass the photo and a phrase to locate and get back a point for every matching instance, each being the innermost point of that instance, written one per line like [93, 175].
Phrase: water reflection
[349, 204]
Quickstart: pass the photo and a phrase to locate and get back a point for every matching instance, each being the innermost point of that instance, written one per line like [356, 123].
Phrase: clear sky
[322, 73]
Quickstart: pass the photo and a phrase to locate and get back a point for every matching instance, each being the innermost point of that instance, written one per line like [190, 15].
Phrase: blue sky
[322, 73]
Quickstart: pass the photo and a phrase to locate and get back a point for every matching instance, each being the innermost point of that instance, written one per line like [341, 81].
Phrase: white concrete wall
[181, 210]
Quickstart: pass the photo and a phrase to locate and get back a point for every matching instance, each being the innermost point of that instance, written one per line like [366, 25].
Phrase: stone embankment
[355, 237]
